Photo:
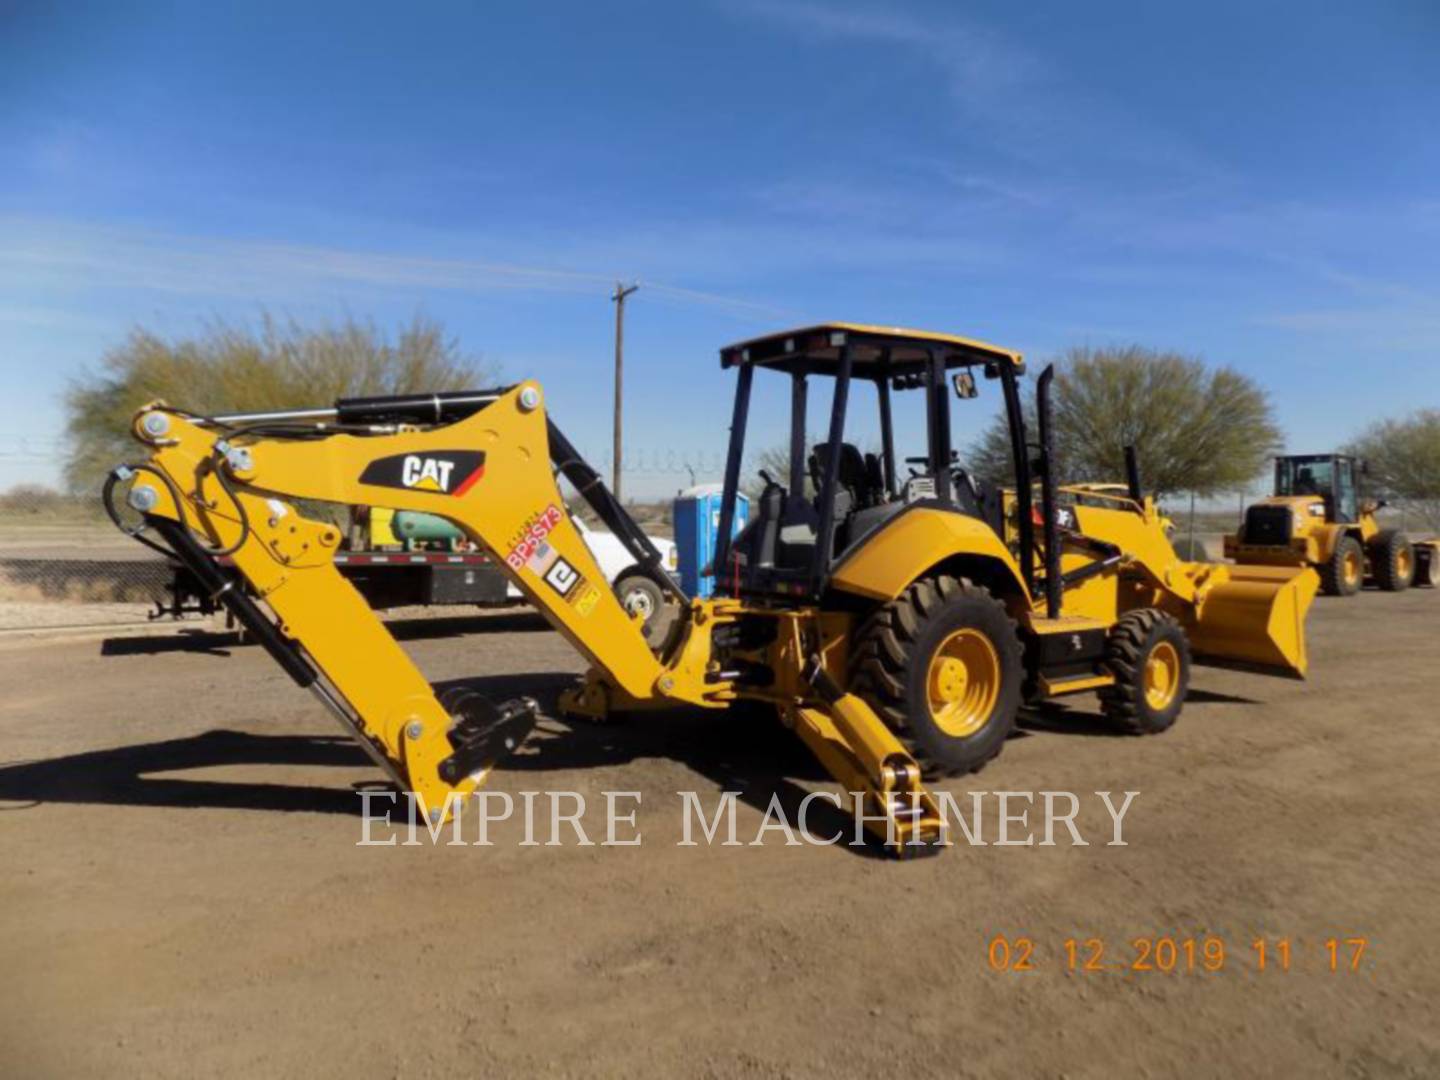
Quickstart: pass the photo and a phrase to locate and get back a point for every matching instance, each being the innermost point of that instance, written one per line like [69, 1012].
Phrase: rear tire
[941, 665]
[1149, 655]
[1344, 572]
[1392, 560]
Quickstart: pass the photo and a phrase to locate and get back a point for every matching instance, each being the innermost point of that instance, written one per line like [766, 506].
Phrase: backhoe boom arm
[489, 473]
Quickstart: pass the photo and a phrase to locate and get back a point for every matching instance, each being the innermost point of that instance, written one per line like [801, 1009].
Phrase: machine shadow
[742, 750]
[123, 776]
[1058, 718]
[1053, 718]
[211, 642]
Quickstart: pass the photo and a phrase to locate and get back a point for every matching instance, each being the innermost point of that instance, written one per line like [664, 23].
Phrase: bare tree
[229, 368]
[1403, 457]
[1196, 428]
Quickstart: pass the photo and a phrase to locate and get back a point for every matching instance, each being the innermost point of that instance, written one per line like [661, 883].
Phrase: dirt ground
[184, 894]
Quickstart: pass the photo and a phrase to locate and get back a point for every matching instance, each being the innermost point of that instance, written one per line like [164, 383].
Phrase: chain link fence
[62, 563]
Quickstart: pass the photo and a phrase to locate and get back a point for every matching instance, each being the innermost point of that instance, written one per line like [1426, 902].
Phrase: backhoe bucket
[1253, 618]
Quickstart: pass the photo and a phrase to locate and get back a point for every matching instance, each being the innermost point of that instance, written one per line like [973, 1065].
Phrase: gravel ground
[184, 894]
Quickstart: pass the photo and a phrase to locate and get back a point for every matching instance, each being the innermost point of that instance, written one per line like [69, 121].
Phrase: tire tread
[884, 649]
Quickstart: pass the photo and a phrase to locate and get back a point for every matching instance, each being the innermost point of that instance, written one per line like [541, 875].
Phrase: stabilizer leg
[859, 750]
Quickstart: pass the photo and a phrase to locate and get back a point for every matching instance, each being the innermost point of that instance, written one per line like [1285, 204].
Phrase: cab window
[1304, 478]
[1345, 500]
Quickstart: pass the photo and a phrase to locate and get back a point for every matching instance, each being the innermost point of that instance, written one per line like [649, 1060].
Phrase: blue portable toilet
[697, 531]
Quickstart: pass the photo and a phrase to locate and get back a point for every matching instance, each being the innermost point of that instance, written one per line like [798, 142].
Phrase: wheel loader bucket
[1253, 617]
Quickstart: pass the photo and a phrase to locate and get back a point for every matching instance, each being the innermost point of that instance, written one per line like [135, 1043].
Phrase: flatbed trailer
[386, 578]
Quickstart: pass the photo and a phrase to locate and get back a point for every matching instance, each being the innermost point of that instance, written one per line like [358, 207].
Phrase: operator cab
[1332, 477]
[832, 494]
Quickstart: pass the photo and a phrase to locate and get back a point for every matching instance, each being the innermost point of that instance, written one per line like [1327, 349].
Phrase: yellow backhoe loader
[889, 622]
[1317, 518]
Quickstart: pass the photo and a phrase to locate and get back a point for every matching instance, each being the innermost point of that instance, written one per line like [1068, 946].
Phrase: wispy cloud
[1024, 105]
[66, 255]
[979, 62]
[1365, 329]
[695, 262]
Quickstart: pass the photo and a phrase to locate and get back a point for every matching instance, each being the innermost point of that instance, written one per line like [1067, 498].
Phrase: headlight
[672, 560]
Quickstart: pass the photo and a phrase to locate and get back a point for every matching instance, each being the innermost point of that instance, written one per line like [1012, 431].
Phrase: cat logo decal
[444, 472]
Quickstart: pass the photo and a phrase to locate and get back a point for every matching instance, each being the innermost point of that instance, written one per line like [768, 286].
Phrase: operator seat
[854, 489]
[861, 502]
[780, 534]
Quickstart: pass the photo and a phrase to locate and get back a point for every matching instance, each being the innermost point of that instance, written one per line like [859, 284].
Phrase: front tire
[1344, 572]
[1149, 655]
[1392, 558]
[941, 664]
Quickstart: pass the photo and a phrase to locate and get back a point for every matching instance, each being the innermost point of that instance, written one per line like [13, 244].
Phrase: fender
[881, 567]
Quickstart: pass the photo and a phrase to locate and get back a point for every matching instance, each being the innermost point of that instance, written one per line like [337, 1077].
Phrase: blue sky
[1257, 184]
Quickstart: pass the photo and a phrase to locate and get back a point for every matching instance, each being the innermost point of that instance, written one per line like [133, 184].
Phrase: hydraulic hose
[199, 561]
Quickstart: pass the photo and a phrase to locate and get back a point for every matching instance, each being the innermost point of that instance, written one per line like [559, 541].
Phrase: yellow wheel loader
[888, 621]
[1316, 518]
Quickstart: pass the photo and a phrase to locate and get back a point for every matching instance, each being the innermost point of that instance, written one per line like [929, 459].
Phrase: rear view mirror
[965, 385]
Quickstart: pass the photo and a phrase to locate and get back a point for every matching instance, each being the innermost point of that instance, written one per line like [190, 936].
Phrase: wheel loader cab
[833, 495]
[1330, 476]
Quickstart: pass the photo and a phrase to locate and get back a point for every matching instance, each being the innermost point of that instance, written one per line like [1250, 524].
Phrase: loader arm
[489, 473]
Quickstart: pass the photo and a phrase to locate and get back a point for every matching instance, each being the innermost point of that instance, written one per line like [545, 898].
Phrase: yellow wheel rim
[1402, 564]
[1162, 676]
[963, 682]
[1353, 567]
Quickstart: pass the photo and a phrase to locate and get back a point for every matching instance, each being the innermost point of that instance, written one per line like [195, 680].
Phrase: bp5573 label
[529, 548]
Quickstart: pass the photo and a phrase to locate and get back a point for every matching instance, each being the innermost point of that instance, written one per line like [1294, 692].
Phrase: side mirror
[965, 385]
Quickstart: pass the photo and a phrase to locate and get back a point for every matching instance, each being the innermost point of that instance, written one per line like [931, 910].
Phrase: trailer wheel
[1392, 558]
[941, 664]
[1149, 656]
[1344, 572]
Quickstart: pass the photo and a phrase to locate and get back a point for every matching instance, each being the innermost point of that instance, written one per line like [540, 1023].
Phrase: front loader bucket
[1253, 618]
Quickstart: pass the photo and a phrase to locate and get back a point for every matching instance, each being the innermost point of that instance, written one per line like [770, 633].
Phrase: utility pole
[621, 292]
